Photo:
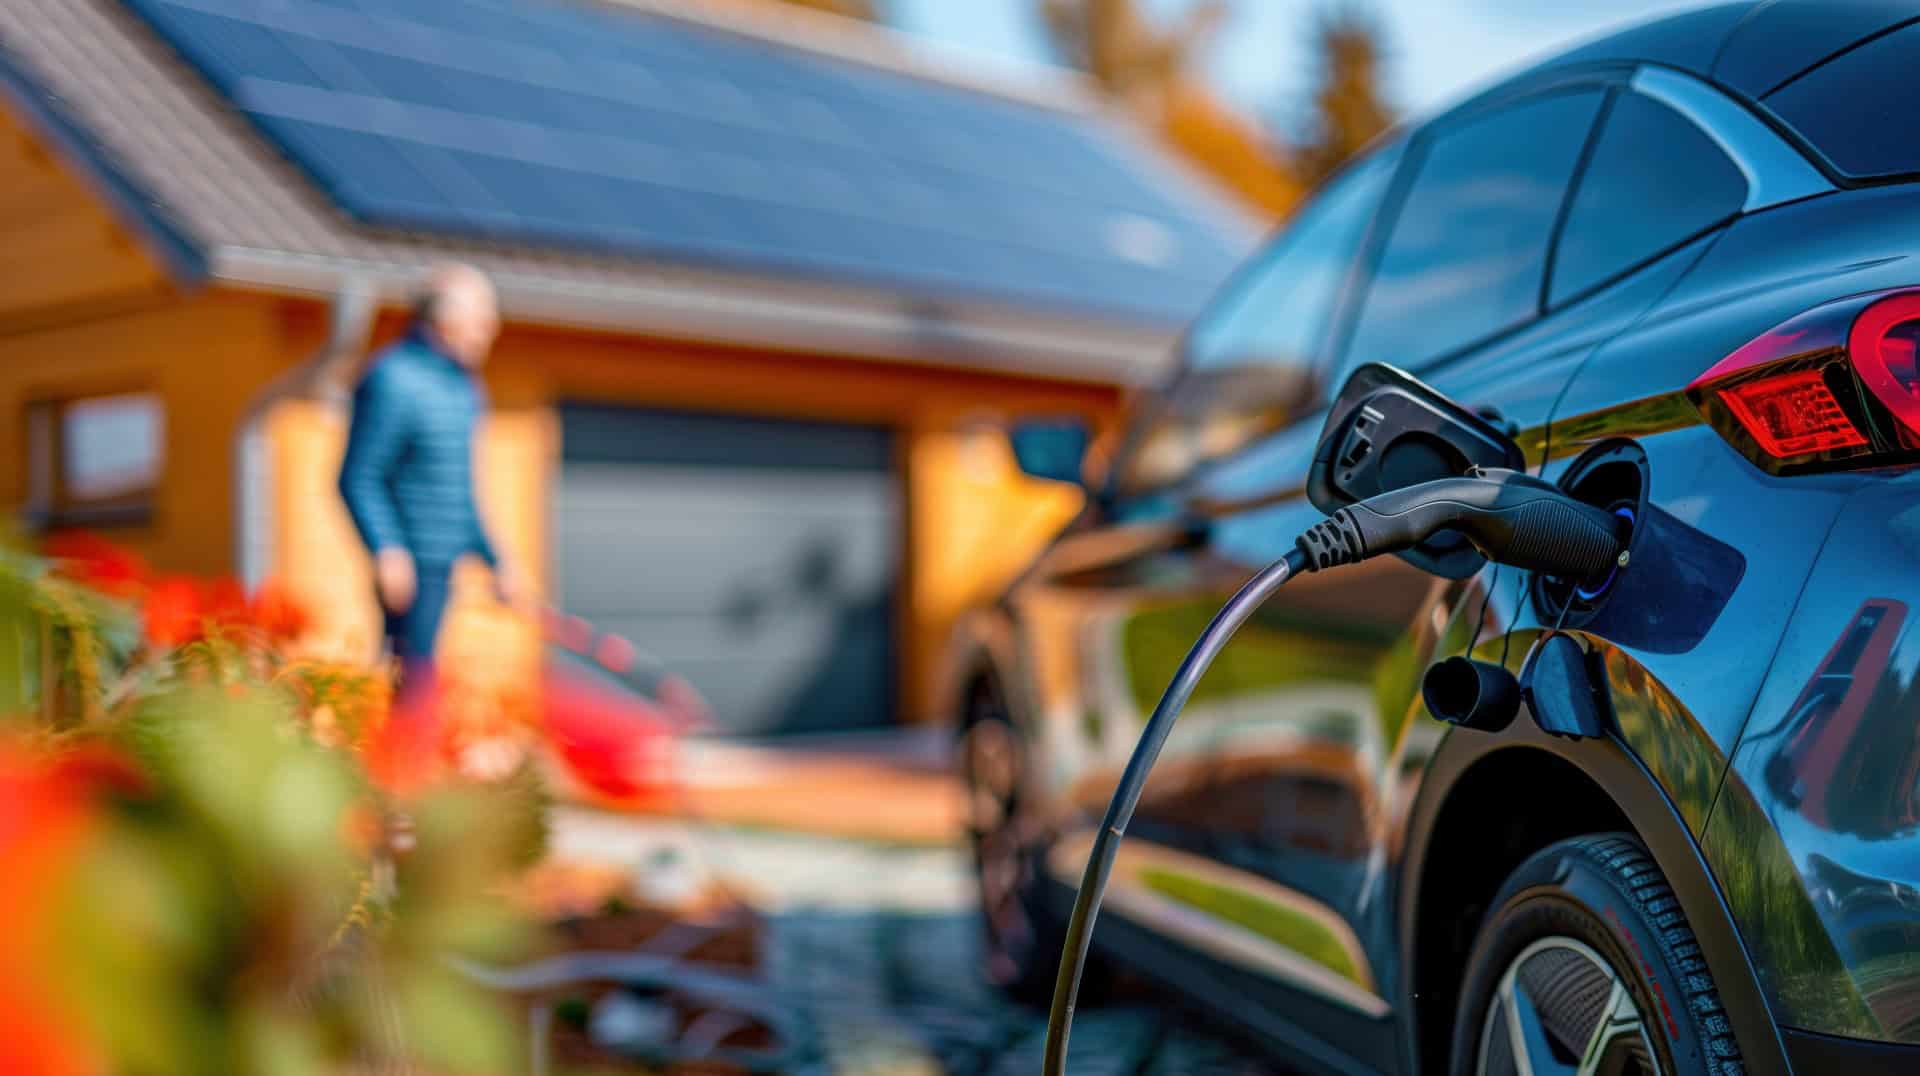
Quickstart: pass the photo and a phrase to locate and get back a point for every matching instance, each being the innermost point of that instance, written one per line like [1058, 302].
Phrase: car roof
[1750, 48]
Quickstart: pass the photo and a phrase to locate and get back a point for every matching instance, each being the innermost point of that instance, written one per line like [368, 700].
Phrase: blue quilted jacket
[408, 473]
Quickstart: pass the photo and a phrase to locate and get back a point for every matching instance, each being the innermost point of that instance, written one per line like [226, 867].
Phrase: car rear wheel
[1021, 939]
[1586, 967]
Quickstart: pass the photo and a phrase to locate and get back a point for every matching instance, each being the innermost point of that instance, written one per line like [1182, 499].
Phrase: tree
[1122, 51]
[1348, 107]
[1150, 70]
[853, 9]
[866, 10]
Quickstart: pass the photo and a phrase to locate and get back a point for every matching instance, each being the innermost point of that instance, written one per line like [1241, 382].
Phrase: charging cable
[1511, 517]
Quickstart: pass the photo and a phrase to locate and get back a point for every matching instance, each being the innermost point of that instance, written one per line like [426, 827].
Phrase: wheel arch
[1478, 815]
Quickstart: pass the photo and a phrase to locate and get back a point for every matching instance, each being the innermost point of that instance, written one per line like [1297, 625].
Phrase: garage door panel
[795, 673]
[759, 559]
[725, 535]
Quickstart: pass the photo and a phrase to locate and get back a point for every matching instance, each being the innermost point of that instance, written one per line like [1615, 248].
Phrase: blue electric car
[1679, 270]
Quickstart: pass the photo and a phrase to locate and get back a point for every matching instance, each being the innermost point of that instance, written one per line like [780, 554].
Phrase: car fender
[1658, 822]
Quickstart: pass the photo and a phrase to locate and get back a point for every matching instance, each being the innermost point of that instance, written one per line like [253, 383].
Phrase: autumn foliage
[1154, 69]
[222, 855]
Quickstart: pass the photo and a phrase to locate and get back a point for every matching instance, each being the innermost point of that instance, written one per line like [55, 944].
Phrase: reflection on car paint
[1235, 916]
[1815, 834]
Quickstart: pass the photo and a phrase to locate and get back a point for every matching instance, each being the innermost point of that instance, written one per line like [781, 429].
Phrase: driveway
[876, 945]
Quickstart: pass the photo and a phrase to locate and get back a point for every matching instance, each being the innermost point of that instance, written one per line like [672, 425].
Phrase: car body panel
[1780, 40]
[1689, 41]
[1822, 810]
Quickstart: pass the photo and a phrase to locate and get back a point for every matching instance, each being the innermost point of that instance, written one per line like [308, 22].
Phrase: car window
[1858, 107]
[1259, 353]
[1653, 181]
[1467, 253]
[1275, 313]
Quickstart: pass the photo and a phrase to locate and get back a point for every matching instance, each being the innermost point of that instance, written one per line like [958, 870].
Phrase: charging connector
[1509, 516]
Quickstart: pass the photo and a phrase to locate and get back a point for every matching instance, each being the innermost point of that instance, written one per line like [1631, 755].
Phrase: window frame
[49, 503]
[1614, 97]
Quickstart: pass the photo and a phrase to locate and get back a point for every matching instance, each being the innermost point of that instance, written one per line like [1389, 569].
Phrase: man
[408, 473]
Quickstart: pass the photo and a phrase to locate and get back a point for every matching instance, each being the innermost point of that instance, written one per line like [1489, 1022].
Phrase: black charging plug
[1511, 517]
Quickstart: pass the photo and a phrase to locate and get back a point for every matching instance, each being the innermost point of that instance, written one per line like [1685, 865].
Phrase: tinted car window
[1654, 180]
[1858, 108]
[1258, 354]
[1468, 251]
[1275, 313]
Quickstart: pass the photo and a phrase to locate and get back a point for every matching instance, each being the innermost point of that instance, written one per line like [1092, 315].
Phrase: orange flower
[173, 612]
[46, 817]
[403, 753]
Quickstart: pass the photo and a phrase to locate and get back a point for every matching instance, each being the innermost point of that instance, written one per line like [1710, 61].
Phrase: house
[769, 281]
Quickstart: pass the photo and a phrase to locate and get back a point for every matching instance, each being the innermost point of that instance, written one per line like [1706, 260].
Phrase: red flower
[99, 769]
[173, 613]
[87, 558]
[223, 602]
[277, 613]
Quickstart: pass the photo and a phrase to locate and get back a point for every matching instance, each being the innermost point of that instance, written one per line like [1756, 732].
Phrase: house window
[94, 460]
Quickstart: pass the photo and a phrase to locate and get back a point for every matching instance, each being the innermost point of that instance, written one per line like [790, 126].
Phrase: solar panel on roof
[582, 127]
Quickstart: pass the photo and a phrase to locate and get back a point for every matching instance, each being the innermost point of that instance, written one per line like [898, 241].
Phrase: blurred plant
[1349, 108]
[203, 873]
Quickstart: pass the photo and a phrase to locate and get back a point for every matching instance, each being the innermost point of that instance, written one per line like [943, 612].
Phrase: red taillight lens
[1792, 414]
[1882, 346]
[1837, 387]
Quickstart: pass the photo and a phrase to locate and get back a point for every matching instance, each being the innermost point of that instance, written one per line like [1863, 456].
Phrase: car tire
[1022, 936]
[1588, 965]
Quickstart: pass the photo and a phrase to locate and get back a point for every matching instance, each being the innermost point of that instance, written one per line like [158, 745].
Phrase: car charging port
[1613, 476]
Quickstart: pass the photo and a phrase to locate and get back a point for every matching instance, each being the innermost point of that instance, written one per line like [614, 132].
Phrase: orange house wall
[207, 355]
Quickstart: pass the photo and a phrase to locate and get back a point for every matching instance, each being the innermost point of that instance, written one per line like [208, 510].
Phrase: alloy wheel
[1562, 1010]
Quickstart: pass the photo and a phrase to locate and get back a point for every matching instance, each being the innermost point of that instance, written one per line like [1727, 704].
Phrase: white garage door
[758, 558]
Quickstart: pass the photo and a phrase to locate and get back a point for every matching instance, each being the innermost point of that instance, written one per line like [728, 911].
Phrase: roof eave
[178, 252]
[760, 313]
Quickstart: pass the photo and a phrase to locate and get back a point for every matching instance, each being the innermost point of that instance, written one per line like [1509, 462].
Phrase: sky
[1439, 48]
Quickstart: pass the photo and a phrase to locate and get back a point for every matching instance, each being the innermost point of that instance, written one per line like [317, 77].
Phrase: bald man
[408, 473]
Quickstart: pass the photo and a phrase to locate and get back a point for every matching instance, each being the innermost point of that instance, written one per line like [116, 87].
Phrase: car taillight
[1835, 388]
[1792, 414]
[1882, 346]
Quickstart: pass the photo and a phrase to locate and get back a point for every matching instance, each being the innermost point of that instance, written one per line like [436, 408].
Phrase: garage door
[758, 558]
